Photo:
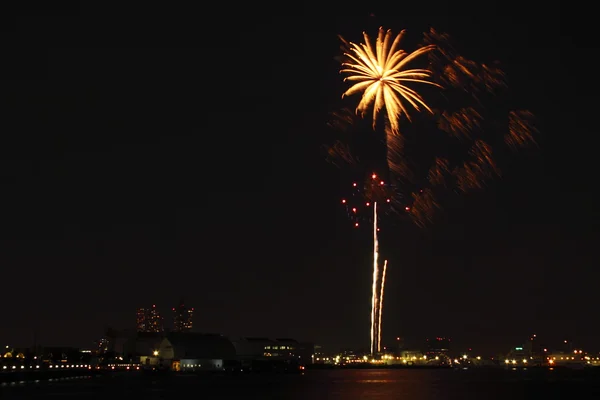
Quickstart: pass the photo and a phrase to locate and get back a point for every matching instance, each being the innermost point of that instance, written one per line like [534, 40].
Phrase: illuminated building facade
[102, 345]
[149, 320]
[140, 321]
[182, 318]
[253, 349]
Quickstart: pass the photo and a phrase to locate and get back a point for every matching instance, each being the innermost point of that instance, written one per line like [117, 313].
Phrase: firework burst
[381, 76]
[452, 150]
[364, 194]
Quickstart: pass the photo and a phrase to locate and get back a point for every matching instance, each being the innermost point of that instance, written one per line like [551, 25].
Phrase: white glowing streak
[381, 306]
[375, 274]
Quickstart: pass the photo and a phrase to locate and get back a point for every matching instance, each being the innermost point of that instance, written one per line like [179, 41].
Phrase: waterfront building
[194, 352]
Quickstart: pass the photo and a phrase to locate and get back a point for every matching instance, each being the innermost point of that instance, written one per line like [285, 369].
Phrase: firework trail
[380, 311]
[375, 276]
[370, 202]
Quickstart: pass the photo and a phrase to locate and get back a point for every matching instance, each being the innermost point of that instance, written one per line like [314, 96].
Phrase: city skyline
[531, 344]
[152, 320]
[131, 174]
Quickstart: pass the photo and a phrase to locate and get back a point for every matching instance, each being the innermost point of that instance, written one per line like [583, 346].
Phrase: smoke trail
[375, 274]
[380, 312]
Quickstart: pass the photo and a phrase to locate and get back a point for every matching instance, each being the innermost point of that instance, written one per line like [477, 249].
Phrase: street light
[155, 353]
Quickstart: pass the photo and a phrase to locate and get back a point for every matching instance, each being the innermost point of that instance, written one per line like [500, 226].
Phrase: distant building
[182, 318]
[566, 346]
[102, 345]
[438, 345]
[411, 355]
[577, 359]
[518, 356]
[250, 350]
[118, 339]
[149, 320]
[320, 354]
[61, 354]
[141, 344]
[399, 344]
[194, 352]
[534, 347]
[140, 322]
[292, 349]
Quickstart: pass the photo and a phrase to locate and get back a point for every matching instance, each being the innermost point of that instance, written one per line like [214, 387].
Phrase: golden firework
[380, 74]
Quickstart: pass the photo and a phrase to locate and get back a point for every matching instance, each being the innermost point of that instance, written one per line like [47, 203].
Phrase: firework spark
[461, 123]
[359, 201]
[473, 174]
[380, 74]
[380, 311]
[521, 129]
[396, 161]
[339, 154]
[438, 172]
[424, 208]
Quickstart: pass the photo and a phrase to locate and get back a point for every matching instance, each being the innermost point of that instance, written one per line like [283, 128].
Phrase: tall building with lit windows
[149, 320]
[140, 320]
[182, 318]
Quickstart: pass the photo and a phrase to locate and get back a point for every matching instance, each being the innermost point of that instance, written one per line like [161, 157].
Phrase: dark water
[335, 385]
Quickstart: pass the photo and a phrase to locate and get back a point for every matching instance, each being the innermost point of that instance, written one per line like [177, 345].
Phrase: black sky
[158, 152]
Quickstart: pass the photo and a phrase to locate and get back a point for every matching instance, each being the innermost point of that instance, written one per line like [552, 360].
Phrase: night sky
[151, 153]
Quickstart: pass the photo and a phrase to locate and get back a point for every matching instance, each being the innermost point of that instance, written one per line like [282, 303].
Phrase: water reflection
[404, 384]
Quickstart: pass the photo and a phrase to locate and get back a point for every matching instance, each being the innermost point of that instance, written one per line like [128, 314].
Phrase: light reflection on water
[404, 384]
